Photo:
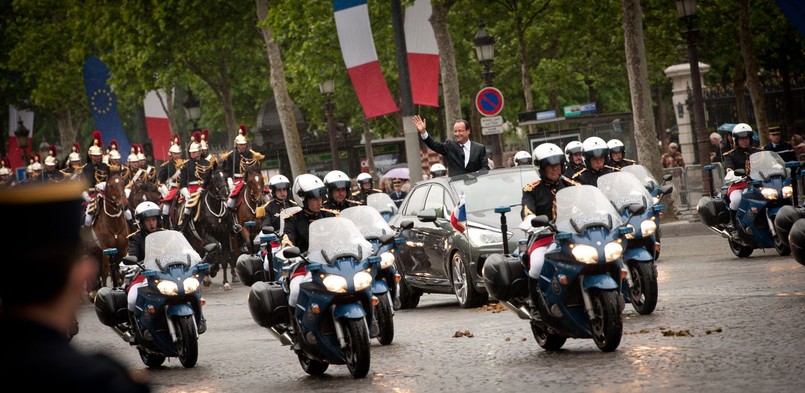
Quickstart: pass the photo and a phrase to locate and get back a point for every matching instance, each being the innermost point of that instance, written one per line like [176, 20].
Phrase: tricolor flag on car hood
[458, 218]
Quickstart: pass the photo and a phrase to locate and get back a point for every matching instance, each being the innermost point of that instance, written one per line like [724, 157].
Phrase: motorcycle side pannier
[250, 269]
[111, 306]
[268, 304]
[712, 211]
[505, 277]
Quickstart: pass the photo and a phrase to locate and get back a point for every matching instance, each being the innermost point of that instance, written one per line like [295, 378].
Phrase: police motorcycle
[383, 203]
[766, 189]
[790, 222]
[579, 284]
[168, 319]
[656, 190]
[624, 190]
[263, 264]
[335, 306]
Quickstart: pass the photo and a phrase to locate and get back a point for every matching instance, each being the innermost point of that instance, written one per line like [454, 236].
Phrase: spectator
[715, 147]
[672, 158]
[776, 144]
[799, 146]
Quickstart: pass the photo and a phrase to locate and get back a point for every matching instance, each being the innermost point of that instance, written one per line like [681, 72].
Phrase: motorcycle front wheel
[312, 367]
[186, 340]
[356, 350]
[606, 325]
[151, 359]
[548, 341]
[643, 292]
[739, 250]
[385, 319]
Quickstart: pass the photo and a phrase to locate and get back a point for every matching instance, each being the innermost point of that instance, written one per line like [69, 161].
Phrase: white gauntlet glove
[185, 193]
[86, 197]
[231, 184]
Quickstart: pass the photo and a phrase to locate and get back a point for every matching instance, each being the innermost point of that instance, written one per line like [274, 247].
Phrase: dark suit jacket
[454, 156]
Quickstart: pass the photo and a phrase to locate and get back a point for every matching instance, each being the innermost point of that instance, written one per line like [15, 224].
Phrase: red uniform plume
[197, 137]
[76, 148]
[175, 139]
[242, 130]
[205, 135]
[52, 151]
[112, 145]
[7, 162]
[97, 141]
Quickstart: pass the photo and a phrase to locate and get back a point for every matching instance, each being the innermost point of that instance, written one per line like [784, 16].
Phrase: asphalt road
[721, 324]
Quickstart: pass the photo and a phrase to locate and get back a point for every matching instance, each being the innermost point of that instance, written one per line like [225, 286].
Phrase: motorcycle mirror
[540, 221]
[267, 229]
[637, 208]
[387, 239]
[212, 247]
[407, 224]
[667, 177]
[666, 189]
[291, 252]
[129, 260]
[740, 172]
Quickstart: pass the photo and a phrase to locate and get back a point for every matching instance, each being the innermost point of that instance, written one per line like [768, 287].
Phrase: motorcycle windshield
[336, 237]
[381, 202]
[642, 173]
[582, 207]
[165, 248]
[624, 189]
[765, 164]
[368, 221]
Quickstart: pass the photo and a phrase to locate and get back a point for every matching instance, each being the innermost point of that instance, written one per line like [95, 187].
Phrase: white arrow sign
[492, 121]
[491, 130]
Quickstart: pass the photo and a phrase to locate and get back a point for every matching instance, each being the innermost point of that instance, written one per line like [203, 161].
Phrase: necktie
[465, 153]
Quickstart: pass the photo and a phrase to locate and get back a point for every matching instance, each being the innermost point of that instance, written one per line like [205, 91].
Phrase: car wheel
[463, 286]
[409, 297]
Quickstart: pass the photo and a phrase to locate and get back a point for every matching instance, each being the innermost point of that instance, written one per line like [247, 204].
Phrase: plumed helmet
[278, 182]
[195, 143]
[95, 149]
[50, 161]
[595, 147]
[547, 154]
[742, 130]
[307, 186]
[133, 155]
[616, 146]
[5, 164]
[148, 209]
[240, 139]
[364, 178]
[74, 157]
[175, 145]
[337, 179]
[522, 158]
[437, 170]
[114, 155]
[205, 136]
[37, 166]
[76, 148]
[112, 146]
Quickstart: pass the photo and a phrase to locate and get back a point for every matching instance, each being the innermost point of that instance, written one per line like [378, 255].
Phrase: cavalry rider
[95, 173]
[236, 162]
[338, 185]
[36, 159]
[205, 151]
[617, 151]
[574, 154]
[738, 158]
[539, 198]
[74, 167]
[6, 180]
[115, 166]
[35, 175]
[51, 173]
[168, 177]
[365, 182]
[595, 154]
[194, 174]
[279, 185]
[522, 158]
[150, 172]
[437, 170]
[133, 163]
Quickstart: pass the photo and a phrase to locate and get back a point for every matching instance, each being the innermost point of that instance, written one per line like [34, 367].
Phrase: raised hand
[419, 123]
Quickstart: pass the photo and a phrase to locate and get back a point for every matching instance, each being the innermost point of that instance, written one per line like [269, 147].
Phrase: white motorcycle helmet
[364, 178]
[571, 148]
[595, 147]
[742, 130]
[616, 146]
[148, 209]
[547, 154]
[307, 186]
[337, 179]
[278, 182]
[437, 170]
[522, 158]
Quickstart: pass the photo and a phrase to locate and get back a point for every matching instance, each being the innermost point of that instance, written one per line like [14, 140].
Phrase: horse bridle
[256, 199]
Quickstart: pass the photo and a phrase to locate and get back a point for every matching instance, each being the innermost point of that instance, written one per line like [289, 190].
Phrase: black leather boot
[533, 291]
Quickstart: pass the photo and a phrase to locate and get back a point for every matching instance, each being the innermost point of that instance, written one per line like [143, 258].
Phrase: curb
[684, 228]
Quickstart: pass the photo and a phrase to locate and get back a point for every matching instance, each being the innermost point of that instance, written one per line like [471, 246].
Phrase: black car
[437, 258]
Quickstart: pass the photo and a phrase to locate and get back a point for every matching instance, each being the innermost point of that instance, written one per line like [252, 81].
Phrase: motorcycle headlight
[168, 288]
[585, 254]
[647, 227]
[386, 260]
[613, 251]
[484, 237]
[631, 235]
[190, 284]
[768, 193]
[656, 200]
[335, 283]
[787, 191]
[362, 280]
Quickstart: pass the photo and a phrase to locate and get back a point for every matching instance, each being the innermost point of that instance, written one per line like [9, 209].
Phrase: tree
[447, 59]
[748, 55]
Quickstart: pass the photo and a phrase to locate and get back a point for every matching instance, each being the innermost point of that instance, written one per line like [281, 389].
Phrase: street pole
[497, 155]
[328, 109]
[412, 139]
[698, 106]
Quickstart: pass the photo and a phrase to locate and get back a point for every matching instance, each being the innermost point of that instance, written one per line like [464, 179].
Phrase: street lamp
[192, 108]
[687, 13]
[327, 88]
[485, 49]
[22, 133]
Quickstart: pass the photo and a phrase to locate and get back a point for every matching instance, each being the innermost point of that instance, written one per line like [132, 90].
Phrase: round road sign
[489, 101]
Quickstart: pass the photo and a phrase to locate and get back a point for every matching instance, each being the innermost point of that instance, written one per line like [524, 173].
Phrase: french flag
[360, 57]
[157, 123]
[458, 218]
[423, 54]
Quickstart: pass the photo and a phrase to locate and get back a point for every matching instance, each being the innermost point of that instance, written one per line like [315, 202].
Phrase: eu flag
[103, 105]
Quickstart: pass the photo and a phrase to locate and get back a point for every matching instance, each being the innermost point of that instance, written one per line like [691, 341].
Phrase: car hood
[488, 219]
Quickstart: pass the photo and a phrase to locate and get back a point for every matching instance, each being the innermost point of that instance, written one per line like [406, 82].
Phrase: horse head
[255, 184]
[115, 192]
[217, 186]
[142, 191]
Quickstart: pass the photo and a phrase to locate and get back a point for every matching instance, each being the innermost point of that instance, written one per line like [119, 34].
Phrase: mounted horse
[251, 196]
[142, 190]
[109, 230]
[210, 221]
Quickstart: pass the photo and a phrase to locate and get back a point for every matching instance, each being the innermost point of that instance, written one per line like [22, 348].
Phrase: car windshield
[765, 164]
[580, 207]
[381, 202]
[368, 221]
[336, 237]
[624, 189]
[165, 248]
[642, 173]
[494, 189]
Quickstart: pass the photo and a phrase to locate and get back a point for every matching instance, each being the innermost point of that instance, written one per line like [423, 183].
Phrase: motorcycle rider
[278, 184]
[595, 154]
[338, 185]
[437, 170]
[574, 154]
[539, 198]
[522, 158]
[617, 151]
[365, 182]
[738, 158]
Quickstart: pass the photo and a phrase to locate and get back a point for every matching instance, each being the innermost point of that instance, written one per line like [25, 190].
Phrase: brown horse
[109, 231]
[142, 191]
[251, 196]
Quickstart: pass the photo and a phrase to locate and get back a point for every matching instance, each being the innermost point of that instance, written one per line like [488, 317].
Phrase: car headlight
[647, 227]
[484, 237]
[168, 288]
[585, 254]
[631, 234]
[362, 280]
[190, 284]
[768, 193]
[386, 260]
[335, 283]
[787, 191]
[613, 251]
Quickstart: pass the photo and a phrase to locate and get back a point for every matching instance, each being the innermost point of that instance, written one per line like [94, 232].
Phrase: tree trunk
[525, 75]
[281, 96]
[447, 62]
[755, 90]
[67, 131]
[661, 113]
[370, 154]
[738, 85]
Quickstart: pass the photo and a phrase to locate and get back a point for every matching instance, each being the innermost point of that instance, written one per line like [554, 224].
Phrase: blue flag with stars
[103, 105]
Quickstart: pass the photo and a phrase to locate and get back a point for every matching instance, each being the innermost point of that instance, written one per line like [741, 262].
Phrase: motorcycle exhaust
[521, 311]
[126, 336]
[284, 338]
[721, 232]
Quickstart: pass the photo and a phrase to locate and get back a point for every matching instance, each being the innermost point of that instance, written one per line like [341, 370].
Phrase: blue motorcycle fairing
[602, 281]
[349, 310]
[379, 287]
[639, 254]
[180, 310]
